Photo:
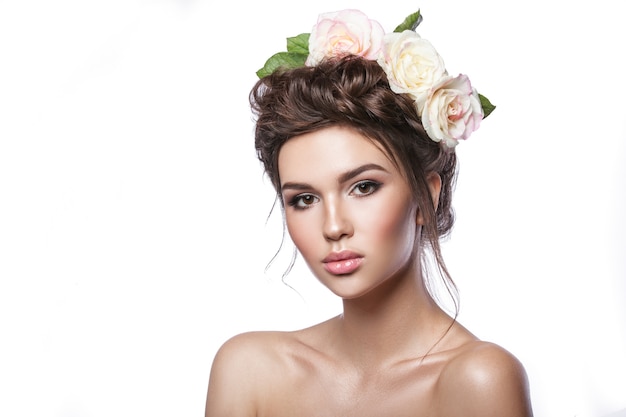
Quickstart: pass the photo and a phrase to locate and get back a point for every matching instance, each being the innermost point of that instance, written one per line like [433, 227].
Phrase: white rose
[347, 32]
[411, 63]
[452, 110]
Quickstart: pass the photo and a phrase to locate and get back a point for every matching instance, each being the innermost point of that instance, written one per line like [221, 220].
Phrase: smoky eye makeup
[302, 201]
[365, 187]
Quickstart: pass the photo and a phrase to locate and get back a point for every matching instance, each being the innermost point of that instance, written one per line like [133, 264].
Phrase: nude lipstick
[342, 263]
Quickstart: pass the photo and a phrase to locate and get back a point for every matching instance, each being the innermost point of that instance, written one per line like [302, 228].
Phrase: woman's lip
[342, 263]
[341, 256]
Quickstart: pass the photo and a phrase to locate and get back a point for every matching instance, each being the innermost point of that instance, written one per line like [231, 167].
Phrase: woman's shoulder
[238, 366]
[252, 348]
[264, 353]
[267, 350]
[484, 379]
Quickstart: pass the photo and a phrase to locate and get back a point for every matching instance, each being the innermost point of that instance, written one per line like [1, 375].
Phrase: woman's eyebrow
[298, 186]
[356, 171]
[346, 176]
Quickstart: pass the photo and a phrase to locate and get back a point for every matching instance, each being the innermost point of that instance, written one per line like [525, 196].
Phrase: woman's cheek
[301, 230]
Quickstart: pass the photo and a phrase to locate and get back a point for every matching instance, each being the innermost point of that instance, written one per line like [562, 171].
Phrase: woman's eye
[366, 187]
[303, 201]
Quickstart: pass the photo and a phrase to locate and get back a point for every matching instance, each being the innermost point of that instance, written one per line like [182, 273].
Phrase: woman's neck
[396, 321]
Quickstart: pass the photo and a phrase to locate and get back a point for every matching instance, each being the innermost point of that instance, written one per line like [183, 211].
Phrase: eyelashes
[303, 201]
[361, 189]
[367, 187]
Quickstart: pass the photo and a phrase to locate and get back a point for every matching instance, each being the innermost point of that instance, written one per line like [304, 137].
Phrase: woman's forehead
[332, 148]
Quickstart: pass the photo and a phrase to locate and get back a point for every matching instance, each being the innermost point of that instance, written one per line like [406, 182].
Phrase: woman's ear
[434, 186]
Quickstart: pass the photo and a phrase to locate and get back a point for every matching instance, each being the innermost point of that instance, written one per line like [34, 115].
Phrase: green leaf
[299, 44]
[411, 22]
[486, 105]
[297, 52]
[282, 60]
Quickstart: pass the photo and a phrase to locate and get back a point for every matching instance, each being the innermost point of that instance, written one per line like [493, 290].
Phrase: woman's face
[348, 209]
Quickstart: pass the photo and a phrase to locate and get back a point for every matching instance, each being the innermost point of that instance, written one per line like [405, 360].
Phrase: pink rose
[452, 110]
[347, 32]
[412, 64]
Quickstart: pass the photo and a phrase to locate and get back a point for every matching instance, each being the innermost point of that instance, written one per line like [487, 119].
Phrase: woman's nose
[336, 221]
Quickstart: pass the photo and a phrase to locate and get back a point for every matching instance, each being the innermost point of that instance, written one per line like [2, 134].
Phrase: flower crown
[449, 107]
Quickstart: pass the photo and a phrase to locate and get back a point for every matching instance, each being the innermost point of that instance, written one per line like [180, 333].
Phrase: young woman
[356, 130]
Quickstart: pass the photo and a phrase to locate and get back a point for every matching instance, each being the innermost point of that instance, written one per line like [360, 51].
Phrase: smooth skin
[393, 351]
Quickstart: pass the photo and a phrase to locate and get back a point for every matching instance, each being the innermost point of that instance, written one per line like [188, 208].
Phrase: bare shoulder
[246, 346]
[239, 364]
[484, 379]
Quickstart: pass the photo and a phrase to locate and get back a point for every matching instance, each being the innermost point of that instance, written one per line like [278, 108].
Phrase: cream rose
[411, 63]
[347, 32]
[452, 110]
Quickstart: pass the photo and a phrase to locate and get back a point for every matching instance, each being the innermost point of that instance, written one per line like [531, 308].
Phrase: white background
[133, 234]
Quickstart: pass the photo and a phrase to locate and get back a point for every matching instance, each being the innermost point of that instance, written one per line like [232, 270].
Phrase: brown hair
[355, 93]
